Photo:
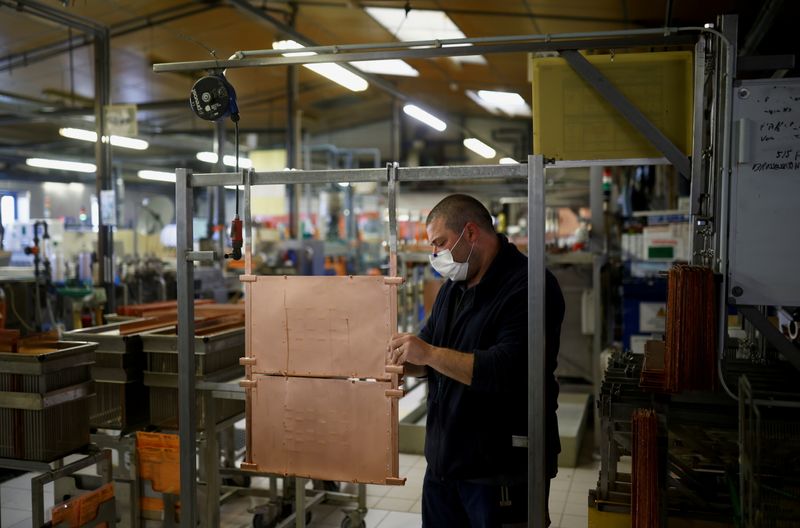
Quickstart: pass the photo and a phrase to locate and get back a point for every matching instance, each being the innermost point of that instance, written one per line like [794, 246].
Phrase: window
[8, 209]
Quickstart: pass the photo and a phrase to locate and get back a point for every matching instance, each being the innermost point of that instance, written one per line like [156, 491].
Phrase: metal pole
[536, 343]
[219, 194]
[102, 151]
[187, 420]
[291, 146]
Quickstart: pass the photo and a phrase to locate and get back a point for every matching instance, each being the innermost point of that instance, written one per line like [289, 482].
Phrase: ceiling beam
[764, 21]
[25, 58]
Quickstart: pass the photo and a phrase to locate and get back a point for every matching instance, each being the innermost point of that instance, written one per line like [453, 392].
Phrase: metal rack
[186, 182]
[565, 44]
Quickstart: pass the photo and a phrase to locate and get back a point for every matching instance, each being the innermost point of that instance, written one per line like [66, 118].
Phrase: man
[473, 349]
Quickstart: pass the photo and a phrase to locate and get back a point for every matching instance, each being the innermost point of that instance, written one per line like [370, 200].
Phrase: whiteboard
[765, 194]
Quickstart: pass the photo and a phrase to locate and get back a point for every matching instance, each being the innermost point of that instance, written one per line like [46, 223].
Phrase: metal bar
[788, 350]
[53, 14]
[32, 56]
[404, 174]
[102, 150]
[191, 256]
[730, 30]
[443, 43]
[626, 162]
[654, 38]
[300, 501]
[635, 117]
[211, 456]
[536, 346]
[697, 193]
[184, 204]
[391, 173]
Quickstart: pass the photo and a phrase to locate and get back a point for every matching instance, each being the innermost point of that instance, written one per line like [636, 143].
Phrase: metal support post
[300, 502]
[187, 407]
[633, 115]
[536, 343]
[211, 462]
[102, 150]
[698, 195]
[292, 191]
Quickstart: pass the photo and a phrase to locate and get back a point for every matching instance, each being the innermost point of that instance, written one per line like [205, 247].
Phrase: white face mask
[444, 264]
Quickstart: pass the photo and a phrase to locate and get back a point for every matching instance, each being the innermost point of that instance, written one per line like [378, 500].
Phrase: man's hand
[408, 348]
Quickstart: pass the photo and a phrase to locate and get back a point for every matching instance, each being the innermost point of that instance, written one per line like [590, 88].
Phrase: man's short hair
[458, 209]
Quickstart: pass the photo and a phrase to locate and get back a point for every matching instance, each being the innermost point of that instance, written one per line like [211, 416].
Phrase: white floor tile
[417, 507]
[10, 516]
[390, 504]
[373, 518]
[15, 498]
[556, 506]
[573, 521]
[401, 520]
[376, 490]
[421, 463]
[555, 519]
[559, 485]
[576, 509]
[409, 491]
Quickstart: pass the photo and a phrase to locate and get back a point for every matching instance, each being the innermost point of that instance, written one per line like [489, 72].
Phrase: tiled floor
[389, 507]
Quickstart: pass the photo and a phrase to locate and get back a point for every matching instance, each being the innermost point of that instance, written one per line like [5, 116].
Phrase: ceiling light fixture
[65, 165]
[422, 24]
[230, 161]
[329, 70]
[508, 161]
[387, 67]
[155, 175]
[479, 147]
[509, 103]
[427, 118]
[91, 136]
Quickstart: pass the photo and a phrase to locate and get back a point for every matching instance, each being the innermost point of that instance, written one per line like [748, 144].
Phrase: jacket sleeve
[503, 366]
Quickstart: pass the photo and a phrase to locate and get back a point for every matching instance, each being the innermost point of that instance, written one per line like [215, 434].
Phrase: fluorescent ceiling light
[387, 67]
[479, 147]
[429, 119]
[329, 70]
[117, 141]
[509, 103]
[426, 24]
[230, 161]
[157, 175]
[508, 161]
[126, 142]
[61, 165]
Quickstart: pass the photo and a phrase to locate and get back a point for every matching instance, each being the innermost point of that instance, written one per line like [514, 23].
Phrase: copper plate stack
[652, 376]
[644, 477]
[690, 359]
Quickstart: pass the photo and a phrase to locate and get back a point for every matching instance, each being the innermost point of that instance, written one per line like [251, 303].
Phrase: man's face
[442, 238]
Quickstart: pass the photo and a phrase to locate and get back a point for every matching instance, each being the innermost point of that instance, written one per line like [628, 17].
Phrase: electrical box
[765, 185]
[572, 121]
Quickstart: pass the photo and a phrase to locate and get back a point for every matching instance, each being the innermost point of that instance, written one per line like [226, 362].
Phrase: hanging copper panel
[321, 326]
[328, 429]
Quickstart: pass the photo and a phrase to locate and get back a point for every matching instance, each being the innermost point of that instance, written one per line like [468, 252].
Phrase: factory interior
[164, 164]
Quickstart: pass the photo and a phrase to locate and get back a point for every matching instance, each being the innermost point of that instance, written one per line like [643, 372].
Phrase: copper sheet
[320, 326]
[328, 429]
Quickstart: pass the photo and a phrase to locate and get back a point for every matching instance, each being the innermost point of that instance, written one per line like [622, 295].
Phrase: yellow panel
[571, 121]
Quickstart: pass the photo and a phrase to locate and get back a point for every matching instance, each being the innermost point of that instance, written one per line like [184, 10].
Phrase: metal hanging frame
[533, 170]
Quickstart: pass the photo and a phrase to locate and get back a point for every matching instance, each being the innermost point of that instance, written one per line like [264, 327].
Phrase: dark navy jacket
[469, 428]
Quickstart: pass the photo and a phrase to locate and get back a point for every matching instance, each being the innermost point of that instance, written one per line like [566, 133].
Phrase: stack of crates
[45, 388]
[218, 346]
[121, 396]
